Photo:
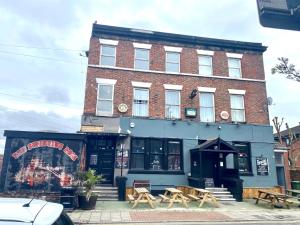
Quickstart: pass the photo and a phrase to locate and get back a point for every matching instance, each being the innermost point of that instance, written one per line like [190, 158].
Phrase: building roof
[284, 133]
[104, 31]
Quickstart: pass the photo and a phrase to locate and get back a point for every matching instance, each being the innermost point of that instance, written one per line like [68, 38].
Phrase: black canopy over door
[215, 163]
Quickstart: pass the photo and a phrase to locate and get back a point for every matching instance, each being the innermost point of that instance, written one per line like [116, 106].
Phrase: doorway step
[222, 194]
[106, 193]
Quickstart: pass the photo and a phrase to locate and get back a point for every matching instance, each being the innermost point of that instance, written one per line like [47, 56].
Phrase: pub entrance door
[101, 157]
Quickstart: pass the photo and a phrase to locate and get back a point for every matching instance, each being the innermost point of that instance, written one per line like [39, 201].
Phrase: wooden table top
[272, 193]
[141, 190]
[173, 190]
[201, 190]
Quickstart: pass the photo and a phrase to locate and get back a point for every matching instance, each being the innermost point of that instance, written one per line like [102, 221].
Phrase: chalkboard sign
[209, 182]
[262, 166]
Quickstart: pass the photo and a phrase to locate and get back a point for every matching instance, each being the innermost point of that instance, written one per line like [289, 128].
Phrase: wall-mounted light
[193, 93]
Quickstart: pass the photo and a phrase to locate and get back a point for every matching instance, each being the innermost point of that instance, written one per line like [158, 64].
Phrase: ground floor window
[245, 167]
[156, 154]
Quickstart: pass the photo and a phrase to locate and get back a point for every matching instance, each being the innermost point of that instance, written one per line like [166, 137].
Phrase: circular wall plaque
[224, 115]
[122, 108]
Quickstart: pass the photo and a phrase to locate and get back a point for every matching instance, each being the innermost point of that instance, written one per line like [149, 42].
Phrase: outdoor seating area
[276, 199]
[171, 196]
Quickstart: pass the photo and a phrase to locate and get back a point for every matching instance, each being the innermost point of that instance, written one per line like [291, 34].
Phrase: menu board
[209, 182]
[122, 160]
[262, 166]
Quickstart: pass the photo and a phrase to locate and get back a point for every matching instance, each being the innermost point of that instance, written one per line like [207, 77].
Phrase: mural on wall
[44, 165]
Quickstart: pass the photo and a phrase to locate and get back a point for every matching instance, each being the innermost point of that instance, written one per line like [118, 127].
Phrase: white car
[21, 211]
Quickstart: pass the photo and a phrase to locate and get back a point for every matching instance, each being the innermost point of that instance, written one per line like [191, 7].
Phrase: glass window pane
[141, 64]
[105, 92]
[233, 72]
[137, 161]
[172, 111]
[172, 57]
[141, 94]
[206, 99]
[205, 70]
[108, 50]
[174, 162]
[104, 106]
[234, 63]
[142, 54]
[207, 114]
[174, 147]
[93, 159]
[156, 162]
[205, 60]
[107, 61]
[244, 157]
[172, 97]
[238, 115]
[138, 146]
[237, 101]
[172, 67]
[156, 146]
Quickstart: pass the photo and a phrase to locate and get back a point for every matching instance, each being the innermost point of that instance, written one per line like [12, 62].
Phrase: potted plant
[87, 182]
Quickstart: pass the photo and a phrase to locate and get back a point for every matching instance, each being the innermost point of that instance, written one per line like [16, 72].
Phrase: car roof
[38, 212]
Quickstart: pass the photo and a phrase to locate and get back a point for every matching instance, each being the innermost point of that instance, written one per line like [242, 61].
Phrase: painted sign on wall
[42, 164]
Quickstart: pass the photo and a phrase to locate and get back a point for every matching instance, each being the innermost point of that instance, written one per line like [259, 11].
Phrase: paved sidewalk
[120, 212]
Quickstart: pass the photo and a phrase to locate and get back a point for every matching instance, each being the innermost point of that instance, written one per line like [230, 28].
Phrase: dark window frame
[249, 158]
[147, 156]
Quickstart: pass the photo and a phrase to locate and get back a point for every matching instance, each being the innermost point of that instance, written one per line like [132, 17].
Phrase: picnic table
[273, 198]
[141, 195]
[293, 193]
[172, 195]
[202, 196]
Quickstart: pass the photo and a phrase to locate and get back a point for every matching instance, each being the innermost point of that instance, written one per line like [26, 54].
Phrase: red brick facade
[256, 109]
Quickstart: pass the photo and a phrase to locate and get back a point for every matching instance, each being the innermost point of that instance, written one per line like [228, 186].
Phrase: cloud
[55, 94]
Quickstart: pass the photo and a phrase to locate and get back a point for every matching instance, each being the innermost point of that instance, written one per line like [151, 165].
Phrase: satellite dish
[270, 100]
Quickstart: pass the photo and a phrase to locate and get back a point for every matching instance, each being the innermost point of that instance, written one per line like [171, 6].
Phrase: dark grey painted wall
[259, 136]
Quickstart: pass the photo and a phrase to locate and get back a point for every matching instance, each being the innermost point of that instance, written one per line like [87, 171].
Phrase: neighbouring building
[291, 141]
[165, 105]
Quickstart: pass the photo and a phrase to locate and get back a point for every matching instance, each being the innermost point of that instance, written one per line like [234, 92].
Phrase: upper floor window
[205, 65]
[172, 107]
[141, 59]
[141, 102]
[105, 97]
[234, 67]
[207, 107]
[237, 108]
[173, 62]
[108, 55]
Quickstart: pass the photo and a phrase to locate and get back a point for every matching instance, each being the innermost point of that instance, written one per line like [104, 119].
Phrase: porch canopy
[214, 163]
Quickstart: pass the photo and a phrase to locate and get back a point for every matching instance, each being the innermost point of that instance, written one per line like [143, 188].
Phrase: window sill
[155, 172]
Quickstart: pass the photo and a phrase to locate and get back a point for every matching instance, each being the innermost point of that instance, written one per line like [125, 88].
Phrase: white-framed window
[172, 106]
[207, 107]
[237, 108]
[173, 62]
[140, 102]
[234, 67]
[205, 65]
[108, 55]
[141, 59]
[105, 99]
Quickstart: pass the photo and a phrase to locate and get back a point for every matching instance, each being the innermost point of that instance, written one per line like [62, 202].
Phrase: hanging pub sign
[262, 166]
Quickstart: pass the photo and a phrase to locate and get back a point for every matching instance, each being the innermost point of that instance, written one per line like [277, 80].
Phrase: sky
[42, 44]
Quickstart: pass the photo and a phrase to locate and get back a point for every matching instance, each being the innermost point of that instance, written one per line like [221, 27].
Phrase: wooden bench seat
[152, 197]
[193, 197]
[164, 197]
[131, 198]
[262, 199]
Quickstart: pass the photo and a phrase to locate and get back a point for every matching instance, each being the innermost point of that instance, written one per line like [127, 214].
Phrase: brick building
[154, 96]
